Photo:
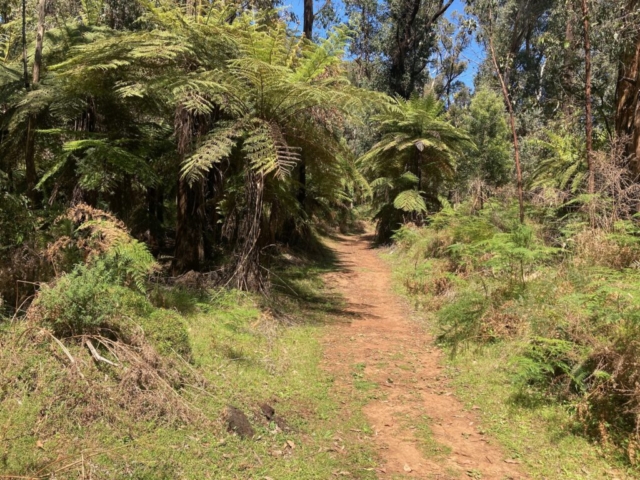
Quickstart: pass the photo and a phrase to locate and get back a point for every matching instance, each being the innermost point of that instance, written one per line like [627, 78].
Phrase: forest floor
[420, 429]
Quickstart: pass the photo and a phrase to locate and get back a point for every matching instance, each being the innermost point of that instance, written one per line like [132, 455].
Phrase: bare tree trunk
[307, 20]
[189, 247]
[627, 119]
[30, 149]
[587, 108]
[25, 62]
[512, 121]
[307, 29]
[37, 62]
[567, 70]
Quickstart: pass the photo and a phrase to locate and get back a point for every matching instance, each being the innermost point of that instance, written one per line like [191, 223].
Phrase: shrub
[86, 301]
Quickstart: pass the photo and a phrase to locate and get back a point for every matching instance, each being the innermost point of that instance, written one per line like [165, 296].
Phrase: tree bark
[307, 29]
[30, 149]
[189, 249]
[246, 272]
[627, 117]
[512, 121]
[37, 62]
[587, 108]
[307, 20]
[25, 63]
[567, 68]
[191, 217]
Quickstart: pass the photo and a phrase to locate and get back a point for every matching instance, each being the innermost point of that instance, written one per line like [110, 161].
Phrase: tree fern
[418, 149]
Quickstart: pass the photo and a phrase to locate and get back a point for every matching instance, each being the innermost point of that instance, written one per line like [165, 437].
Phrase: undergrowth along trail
[420, 428]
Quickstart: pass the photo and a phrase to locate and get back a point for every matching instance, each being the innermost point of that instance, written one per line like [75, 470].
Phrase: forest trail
[420, 429]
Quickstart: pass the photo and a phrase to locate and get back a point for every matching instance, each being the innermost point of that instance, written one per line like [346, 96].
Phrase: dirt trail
[381, 344]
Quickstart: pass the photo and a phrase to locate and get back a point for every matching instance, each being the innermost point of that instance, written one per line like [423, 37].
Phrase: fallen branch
[67, 352]
[96, 356]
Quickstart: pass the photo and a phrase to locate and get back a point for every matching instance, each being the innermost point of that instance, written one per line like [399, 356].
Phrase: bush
[544, 360]
[87, 301]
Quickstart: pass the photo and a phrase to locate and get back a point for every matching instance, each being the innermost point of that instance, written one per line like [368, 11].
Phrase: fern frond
[410, 201]
[216, 147]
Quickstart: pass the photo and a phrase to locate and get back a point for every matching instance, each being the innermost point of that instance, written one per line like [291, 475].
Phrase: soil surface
[420, 429]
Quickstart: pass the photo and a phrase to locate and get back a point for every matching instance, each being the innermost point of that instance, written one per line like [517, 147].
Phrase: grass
[430, 447]
[541, 434]
[245, 351]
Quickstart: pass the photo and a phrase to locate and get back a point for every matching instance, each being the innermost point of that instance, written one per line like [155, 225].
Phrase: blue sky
[473, 54]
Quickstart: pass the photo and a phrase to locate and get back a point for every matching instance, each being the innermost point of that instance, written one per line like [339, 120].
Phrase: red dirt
[400, 357]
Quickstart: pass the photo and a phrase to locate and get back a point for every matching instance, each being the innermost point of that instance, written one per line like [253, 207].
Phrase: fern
[215, 147]
[410, 201]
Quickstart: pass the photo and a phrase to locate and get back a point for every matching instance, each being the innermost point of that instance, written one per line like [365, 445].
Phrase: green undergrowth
[159, 411]
[542, 330]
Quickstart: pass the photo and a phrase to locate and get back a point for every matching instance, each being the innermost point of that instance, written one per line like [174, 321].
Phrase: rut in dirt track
[412, 390]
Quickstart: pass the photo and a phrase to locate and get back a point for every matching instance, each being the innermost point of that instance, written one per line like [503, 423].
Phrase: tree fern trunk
[189, 249]
[307, 29]
[246, 272]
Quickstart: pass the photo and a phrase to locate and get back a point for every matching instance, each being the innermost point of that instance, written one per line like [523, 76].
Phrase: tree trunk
[587, 108]
[37, 62]
[307, 21]
[246, 272]
[627, 118]
[30, 149]
[512, 121]
[568, 61]
[307, 28]
[25, 63]
[189, 249]
[191, 218]
[406, 40]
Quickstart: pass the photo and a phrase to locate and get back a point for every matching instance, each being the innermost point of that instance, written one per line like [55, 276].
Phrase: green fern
[410, 201]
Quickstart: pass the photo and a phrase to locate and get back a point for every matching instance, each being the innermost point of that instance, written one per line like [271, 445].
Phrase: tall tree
[412, 41]
[587, 106]
[627, 101]
[30, 148]
[512, 116]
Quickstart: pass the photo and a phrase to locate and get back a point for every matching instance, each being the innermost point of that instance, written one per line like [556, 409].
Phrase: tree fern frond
[410, 201]
[268, 152]
[217, 146]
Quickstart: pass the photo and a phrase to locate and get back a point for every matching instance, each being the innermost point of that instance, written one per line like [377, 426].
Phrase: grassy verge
[509, 360]
[542, 435]
[69, 420]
